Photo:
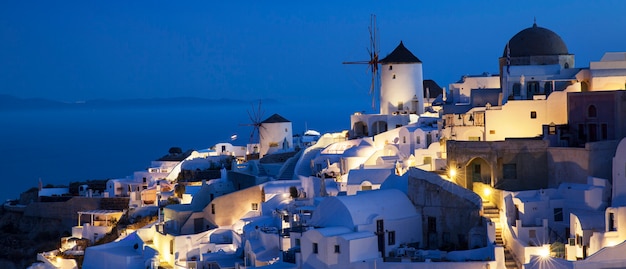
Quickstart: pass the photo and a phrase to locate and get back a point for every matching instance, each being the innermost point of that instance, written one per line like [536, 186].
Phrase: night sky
[291, 50]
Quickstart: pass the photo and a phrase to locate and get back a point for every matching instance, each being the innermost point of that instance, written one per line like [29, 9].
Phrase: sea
[78, 143]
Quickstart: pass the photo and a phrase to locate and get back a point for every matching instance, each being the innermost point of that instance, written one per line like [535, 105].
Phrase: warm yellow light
[544, 252]
[452, 172]
[487, 191]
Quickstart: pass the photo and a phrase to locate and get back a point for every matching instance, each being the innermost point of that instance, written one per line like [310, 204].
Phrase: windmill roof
[400, 55]
[275, 118]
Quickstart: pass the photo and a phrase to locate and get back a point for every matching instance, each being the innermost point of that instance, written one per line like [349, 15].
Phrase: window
[581, 132]
[297, 242]
[314, 248]
[417, 140]
[533, 114]
[509, 171]
[404, 140]
[552, 129]
[558, 214]
[533, 88]
[571, 242]
[400, 106]
[394, 76]
[592, 112]
[432, 224]
[593, 132]
[366, 188]
[390, 67]
[547, 87]
[337, 249]
[579, 240]
[391, 238]
[492, 131]
[516, 89]
[171, 247]
[612, 226]
[212, 208]
[428, 160]
[532, 233]
[255, 206]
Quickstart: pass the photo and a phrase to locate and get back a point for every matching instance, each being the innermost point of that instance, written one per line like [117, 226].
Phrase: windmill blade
[373, 61]
[357, 62]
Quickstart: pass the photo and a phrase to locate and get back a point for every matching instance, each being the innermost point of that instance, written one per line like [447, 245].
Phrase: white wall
[273, 135]
[401, 84]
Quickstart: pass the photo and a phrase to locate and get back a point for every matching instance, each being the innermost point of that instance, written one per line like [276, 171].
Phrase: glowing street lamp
[452, 172]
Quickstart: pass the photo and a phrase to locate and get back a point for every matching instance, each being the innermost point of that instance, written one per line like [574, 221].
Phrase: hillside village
[521, 169]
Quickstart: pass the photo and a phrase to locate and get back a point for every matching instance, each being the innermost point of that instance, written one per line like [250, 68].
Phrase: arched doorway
[360, 129]
[379, 127]
[478, 170]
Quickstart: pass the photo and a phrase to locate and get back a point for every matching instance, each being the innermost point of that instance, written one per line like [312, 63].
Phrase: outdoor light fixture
[487, 191]
[452, 172]
[544, 252]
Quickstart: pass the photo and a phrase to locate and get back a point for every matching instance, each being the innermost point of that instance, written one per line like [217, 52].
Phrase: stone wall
[66, 211]
[454, 210]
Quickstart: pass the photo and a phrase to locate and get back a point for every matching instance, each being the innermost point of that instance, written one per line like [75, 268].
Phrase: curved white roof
[364, 149]
[363, 208]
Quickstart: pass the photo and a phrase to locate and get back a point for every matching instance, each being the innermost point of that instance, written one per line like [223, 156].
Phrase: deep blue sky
[80, 50]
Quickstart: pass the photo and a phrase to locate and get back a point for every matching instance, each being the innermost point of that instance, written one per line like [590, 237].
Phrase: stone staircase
[491, 211]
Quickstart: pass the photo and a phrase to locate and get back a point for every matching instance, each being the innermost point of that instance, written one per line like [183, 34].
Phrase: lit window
[492, 131]
[552, 129]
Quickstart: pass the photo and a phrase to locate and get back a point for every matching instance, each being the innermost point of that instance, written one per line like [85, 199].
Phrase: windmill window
[391, 67]
[394, 76]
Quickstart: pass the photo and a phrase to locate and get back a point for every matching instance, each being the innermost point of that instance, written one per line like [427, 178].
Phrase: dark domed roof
[535, 41]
